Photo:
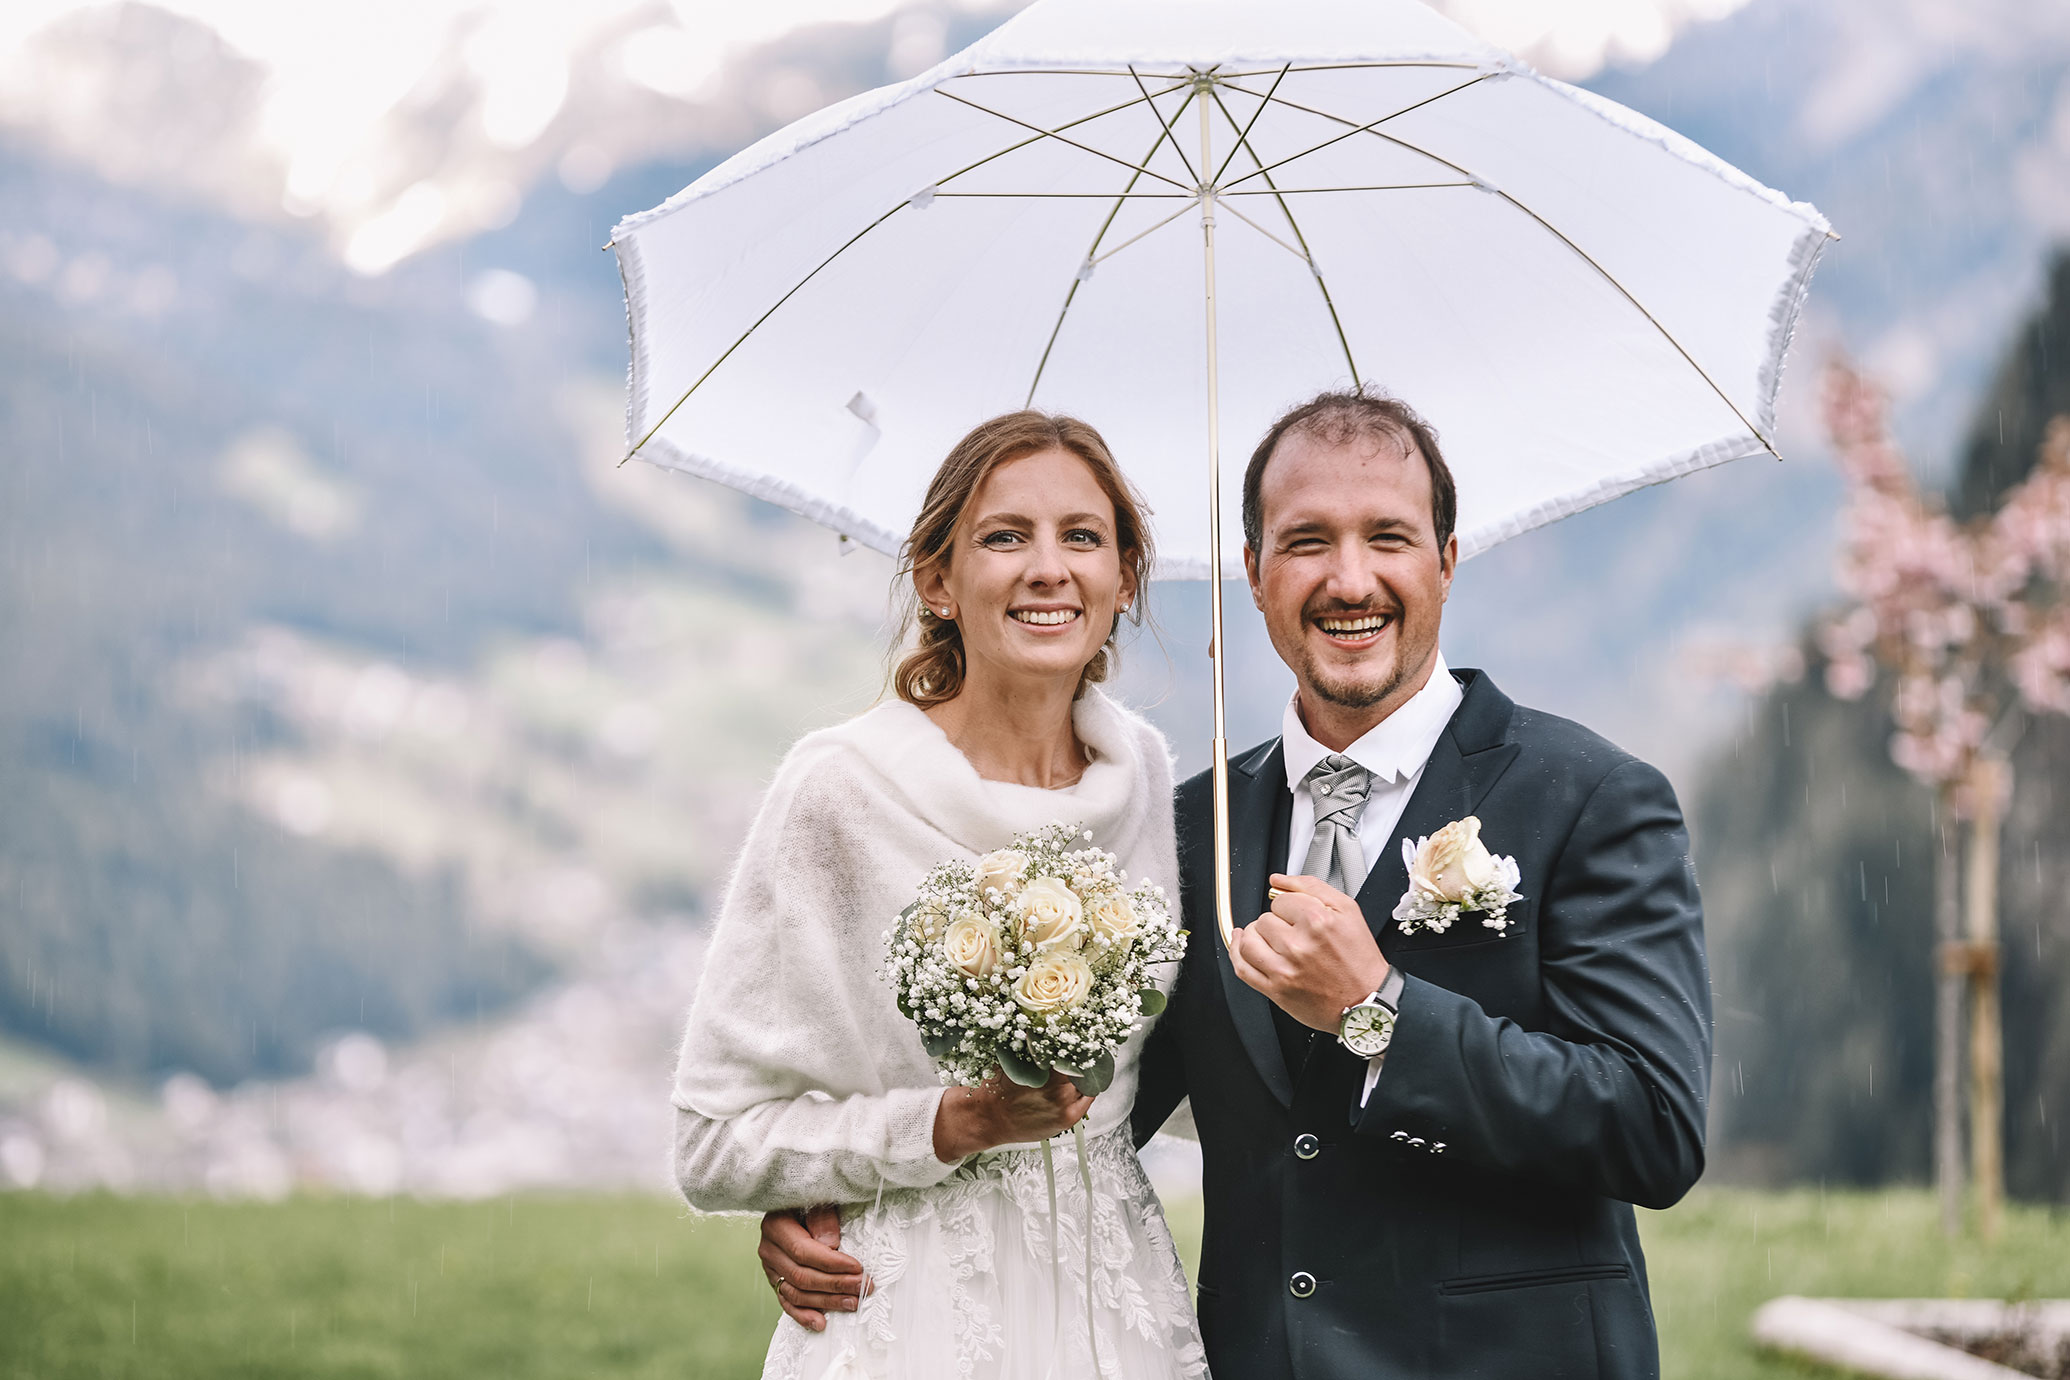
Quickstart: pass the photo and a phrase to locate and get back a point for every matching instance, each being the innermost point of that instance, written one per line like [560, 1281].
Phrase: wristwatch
[1367, 1028]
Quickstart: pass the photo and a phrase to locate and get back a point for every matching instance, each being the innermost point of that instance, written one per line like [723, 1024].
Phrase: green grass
[630, 1287]
[565, 1287]
[1722, 1253]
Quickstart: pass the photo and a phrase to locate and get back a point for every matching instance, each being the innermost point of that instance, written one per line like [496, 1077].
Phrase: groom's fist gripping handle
[1312, 954]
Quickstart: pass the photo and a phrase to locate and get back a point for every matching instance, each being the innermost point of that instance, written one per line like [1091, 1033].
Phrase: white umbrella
[1168, 216]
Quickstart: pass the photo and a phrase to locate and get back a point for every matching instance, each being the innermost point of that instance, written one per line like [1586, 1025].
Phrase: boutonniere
[1451, 874]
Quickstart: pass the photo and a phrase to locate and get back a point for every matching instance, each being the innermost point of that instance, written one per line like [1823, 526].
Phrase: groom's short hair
[1340, 417]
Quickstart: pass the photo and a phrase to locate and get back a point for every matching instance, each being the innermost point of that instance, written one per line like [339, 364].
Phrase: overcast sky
[339, 64]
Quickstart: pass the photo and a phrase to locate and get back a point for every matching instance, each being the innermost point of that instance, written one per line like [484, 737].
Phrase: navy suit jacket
[1474, 1217]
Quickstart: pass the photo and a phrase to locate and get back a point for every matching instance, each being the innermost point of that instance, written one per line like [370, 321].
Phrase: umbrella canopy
[1581, 301]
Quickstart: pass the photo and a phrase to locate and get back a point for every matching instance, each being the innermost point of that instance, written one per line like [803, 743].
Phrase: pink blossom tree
[1970, 621]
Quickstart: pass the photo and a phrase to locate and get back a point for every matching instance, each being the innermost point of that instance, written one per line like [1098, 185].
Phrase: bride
[801, 1084]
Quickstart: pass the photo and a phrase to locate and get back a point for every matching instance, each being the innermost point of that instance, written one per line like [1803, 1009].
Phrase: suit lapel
[1469, 758]
[1256, 782]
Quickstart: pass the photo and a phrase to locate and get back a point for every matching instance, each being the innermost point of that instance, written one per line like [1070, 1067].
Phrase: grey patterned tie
[1339, 787]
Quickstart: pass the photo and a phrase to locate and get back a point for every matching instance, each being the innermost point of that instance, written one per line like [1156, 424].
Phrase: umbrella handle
[1224, 918]
[1223, 913]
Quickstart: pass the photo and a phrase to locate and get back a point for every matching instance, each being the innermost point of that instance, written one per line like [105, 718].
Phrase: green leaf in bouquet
[1097, 1077]
[944, 1043]
[1022, 1071]
[1153, 1001]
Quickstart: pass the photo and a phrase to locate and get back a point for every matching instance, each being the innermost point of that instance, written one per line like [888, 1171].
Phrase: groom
[1420, 1146]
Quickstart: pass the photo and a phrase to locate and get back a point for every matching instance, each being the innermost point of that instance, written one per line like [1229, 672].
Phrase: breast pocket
[1467, 932]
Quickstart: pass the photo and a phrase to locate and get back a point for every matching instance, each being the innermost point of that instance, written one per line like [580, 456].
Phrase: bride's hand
[1003, 1112]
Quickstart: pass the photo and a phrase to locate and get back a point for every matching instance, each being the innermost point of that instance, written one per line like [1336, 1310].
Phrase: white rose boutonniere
[1451, 874]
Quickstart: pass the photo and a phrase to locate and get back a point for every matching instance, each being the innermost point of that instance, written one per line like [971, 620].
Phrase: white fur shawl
[799, 1081]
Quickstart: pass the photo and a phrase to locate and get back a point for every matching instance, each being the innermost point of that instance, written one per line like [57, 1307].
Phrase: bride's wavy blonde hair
[932, 672]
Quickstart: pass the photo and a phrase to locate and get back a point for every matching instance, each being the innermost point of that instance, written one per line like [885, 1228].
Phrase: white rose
[1001, 871]
[1052, 917]
[1453, 863]
[972, 946]
[1054, 982]
[1113, 918]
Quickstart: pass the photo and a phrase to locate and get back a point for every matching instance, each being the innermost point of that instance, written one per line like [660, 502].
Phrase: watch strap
[1389, 993]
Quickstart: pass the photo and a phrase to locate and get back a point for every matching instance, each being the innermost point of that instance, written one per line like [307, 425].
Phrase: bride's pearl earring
[945, 613]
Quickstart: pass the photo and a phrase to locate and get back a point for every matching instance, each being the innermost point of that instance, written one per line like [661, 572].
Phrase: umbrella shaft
[1223, 913]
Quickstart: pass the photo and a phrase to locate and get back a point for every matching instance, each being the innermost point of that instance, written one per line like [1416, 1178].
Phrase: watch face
[1367, 1029]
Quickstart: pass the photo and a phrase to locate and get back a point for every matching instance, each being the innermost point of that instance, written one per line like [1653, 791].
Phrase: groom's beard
[1355, 694]
[1363, 686]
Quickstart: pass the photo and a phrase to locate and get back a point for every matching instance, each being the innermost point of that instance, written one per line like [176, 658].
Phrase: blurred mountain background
[374, 744]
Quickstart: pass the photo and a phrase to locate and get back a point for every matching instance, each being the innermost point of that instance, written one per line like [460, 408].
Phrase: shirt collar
[1394, 749]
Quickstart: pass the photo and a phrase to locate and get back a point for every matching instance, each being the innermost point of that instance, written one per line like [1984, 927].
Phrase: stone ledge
[1917, 1339]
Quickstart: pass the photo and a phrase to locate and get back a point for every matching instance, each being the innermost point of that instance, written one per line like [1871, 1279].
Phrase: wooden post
[1992, 779]
[1947, 1020]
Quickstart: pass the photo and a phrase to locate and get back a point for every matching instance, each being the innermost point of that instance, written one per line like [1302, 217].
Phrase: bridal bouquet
[1034, 958]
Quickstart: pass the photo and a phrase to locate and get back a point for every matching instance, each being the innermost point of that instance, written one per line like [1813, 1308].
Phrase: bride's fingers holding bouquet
[1002, 1112]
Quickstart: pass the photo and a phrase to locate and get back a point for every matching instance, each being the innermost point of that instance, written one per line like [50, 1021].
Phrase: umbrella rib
[1139, 235]
[1368, 66]
[850, 242]
[1165, 126]
[1551, 229]
[1054, 72]
[1268, 235]
[1665, 333]
[1042, 134]
[1243, 135]
[1369, 128]
[1073, 143]
[1321, 283]
[757, 325]
[1168, 76]
[1121, 196]
[1312, 191]
[1071, 294]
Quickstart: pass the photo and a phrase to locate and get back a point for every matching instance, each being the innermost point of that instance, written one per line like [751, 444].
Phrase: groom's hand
[1312, 953]
[802, 1259]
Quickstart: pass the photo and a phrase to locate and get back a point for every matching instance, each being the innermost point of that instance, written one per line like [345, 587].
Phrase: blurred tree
[1972, 621]
[1816, 854]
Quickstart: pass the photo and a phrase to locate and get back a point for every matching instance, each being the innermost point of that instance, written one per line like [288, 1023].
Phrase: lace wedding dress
[800, 1083]
[963, 1279]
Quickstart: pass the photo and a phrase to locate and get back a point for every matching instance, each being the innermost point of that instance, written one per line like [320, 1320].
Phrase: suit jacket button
[1306, 1146]
[1301, 1285]
[1400, 1135]
[1416, 1141]
[1438, 1148]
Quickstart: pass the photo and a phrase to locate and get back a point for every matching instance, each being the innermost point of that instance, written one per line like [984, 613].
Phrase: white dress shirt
[1394, 751]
